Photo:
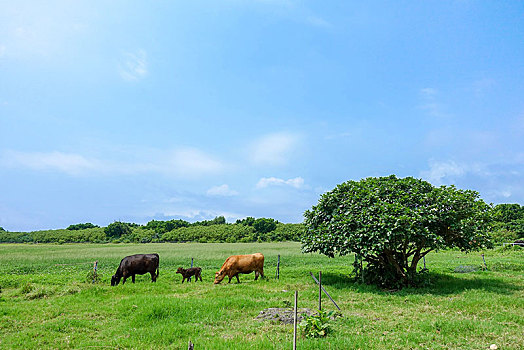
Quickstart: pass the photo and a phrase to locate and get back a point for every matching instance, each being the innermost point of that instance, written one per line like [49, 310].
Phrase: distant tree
[249, 221]
[509, 217]
[264, 225]
[2, 229]
[174, 224]
[117, 229]
[81, 226]
[392, 223]
[219, 220]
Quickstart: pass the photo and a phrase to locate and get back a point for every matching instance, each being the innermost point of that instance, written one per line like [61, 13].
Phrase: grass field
[46, 302]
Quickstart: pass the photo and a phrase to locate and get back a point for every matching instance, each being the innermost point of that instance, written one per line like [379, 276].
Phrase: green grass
[46, 302]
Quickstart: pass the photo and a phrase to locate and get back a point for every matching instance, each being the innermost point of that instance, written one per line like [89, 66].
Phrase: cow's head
[180, 270]
[115, 280]
[219, 276]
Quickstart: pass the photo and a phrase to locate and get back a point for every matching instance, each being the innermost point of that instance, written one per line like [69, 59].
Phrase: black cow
[187, 273]
[137, 264]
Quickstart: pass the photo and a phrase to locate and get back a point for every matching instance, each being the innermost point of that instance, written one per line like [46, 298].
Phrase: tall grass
[46, 300]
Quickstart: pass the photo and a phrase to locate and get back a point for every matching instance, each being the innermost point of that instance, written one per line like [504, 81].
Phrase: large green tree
[391, 223]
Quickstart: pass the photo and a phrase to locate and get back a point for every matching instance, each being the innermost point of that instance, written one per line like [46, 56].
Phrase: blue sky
[133, 111]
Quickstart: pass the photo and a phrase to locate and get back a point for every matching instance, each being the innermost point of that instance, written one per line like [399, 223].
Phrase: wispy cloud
[192, 162]
[133, 66]
[181, 163]
[72, 164]
[318, 22]
[274, 149]
[221, 191]
[431, 104]
[440, 170]
[264, 182]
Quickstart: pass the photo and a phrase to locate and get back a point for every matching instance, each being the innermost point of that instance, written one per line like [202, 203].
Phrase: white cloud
[221, 191]
[428, 92]
[482, 86]
[191, 162]
[182, 163]
[318, 22]
[274, 149]
[133, 66]
[431, 104]
[72, 164]
[296, 182]
[440, 170]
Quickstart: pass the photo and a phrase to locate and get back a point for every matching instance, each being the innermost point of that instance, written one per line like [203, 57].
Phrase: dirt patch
[283, 315]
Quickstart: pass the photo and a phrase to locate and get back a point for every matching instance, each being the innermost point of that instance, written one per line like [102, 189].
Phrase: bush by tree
[509, 217]
[502, 235]
[392, 223]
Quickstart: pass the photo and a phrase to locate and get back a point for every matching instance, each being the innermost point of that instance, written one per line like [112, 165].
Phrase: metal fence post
[320, 291]
[189, 279]
[278, 268]
[295, 322]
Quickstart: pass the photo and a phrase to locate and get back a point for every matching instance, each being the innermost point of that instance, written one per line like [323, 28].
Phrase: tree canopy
[391, 223]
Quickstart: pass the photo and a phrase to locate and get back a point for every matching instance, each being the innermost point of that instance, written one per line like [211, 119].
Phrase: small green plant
[317, 326]
[93, 277]
[27, 288]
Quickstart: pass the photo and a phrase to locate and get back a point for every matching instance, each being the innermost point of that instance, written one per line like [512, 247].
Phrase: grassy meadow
[47, 302]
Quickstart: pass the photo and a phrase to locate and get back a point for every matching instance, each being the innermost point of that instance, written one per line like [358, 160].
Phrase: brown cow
[236, 264]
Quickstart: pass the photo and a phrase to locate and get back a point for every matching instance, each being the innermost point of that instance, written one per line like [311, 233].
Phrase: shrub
[503, 235]
[317, 326]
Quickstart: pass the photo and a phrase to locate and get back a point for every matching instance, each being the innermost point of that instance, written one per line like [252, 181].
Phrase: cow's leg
[256, 275]
[133, 278]
[124, 280]
[237, 278]
[199, 275]
[183, 279]
[153, 277]
[230, 277]
[262, 273]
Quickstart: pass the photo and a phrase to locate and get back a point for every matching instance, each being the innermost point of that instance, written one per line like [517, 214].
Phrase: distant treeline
[207, 231]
